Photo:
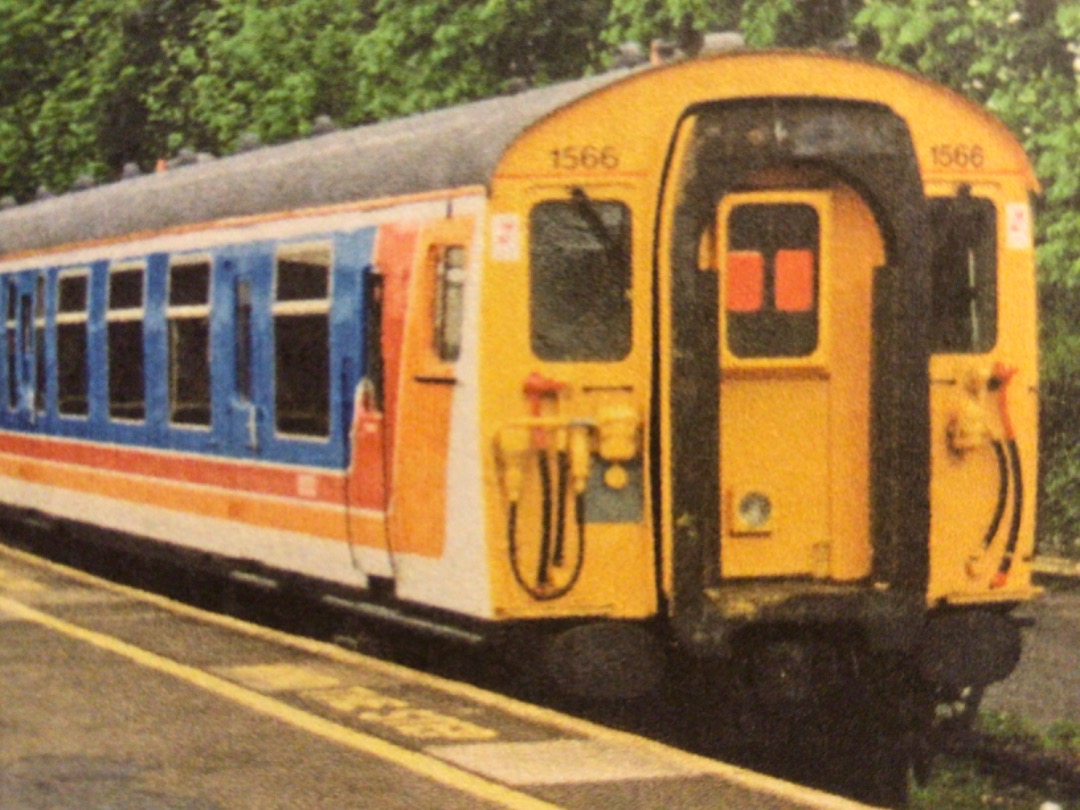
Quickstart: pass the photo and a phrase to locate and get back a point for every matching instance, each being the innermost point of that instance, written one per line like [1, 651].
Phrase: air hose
[1003, 493]
[1000, 381]
[553, 534]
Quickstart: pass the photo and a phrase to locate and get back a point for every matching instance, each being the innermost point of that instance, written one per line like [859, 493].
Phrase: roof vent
[629, 55]
[722, 42]
[662, 51]
[185, 157]
[323, 125]
[248, 142]
[517, 84]
[130, 171]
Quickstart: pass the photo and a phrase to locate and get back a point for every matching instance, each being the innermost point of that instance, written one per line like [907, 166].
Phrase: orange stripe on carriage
[258, 479]
[316, 519]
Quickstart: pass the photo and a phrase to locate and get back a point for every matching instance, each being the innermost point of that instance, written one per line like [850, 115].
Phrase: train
[732, 359]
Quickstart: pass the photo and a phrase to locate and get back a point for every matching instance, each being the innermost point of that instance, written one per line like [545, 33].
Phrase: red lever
[1000, 380]
[536, 387]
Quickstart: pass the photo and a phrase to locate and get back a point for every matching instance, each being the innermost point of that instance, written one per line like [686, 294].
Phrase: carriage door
[774, 411]
[23, 346]
[794, 400]
[243, 291]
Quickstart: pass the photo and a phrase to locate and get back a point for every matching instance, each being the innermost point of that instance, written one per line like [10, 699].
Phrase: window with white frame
[188, 318]
[124, 323]
[72, 374]
[301, 313]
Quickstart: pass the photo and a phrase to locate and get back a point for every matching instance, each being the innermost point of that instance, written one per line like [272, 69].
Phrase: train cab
[790, 314]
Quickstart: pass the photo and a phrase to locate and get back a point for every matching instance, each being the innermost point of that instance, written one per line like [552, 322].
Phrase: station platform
[114, 699]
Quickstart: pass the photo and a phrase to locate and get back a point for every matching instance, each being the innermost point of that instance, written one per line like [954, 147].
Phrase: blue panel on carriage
[229, 433]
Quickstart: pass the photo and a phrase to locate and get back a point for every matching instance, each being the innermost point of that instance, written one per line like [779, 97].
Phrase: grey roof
[448, 148]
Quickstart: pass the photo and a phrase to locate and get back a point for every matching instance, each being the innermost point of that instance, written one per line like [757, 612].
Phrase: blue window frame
[188, 351]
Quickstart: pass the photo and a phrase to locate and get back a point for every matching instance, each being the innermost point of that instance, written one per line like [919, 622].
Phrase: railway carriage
[734, 357]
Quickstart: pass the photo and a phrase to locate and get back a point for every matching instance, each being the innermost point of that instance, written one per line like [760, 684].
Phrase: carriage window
[374, 371]
[579, 296]
[450, 285]
[964, 274]
[12, 324]
[771, 280]
[71, 358]
[125, 339]
[188, 315]
[242, 318]
[302, 340]
[39, 344]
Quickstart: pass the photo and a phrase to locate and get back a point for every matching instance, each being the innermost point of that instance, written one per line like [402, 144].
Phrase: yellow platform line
[433, 769]
[810, 798]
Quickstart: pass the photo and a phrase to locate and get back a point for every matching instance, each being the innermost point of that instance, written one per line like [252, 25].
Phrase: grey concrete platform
[111, 699]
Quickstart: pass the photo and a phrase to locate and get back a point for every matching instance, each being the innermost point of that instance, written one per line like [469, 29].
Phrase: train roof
[455, 147]
[448, 148]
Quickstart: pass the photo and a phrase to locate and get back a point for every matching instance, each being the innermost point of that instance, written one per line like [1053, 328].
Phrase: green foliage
[51, 99]
[432, 53]
[644, 20]
[960, 782]
[79, 78]
[795, 23]
[271, 68]
[964, 784]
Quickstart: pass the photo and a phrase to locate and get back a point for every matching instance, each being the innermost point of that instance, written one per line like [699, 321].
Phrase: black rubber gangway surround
[868, 147]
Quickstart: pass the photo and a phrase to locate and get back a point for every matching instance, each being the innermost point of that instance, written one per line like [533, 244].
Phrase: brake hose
[1002, 377]
[1003, 494]
[558, 554]
[539, 591]
[545, 521]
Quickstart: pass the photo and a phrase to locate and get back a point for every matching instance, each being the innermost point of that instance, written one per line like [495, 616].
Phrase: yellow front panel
[799, 428]
[774, 440]
[980, 541]
[608, 398]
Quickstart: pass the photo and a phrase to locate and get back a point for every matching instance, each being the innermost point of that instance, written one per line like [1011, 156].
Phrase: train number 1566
[957, 156]
[587, 156]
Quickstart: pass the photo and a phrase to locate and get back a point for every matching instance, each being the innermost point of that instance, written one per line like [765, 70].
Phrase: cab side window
[964, 270]
[579, 281]
[449, 300]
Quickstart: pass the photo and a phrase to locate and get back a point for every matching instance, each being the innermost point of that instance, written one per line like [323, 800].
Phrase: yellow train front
[731, 360]
[759, 366]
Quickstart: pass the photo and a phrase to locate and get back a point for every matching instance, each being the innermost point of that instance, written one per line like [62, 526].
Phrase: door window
[772, 280]
[302, 340]
[124, 325]
[188, 316]
[71, 342]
